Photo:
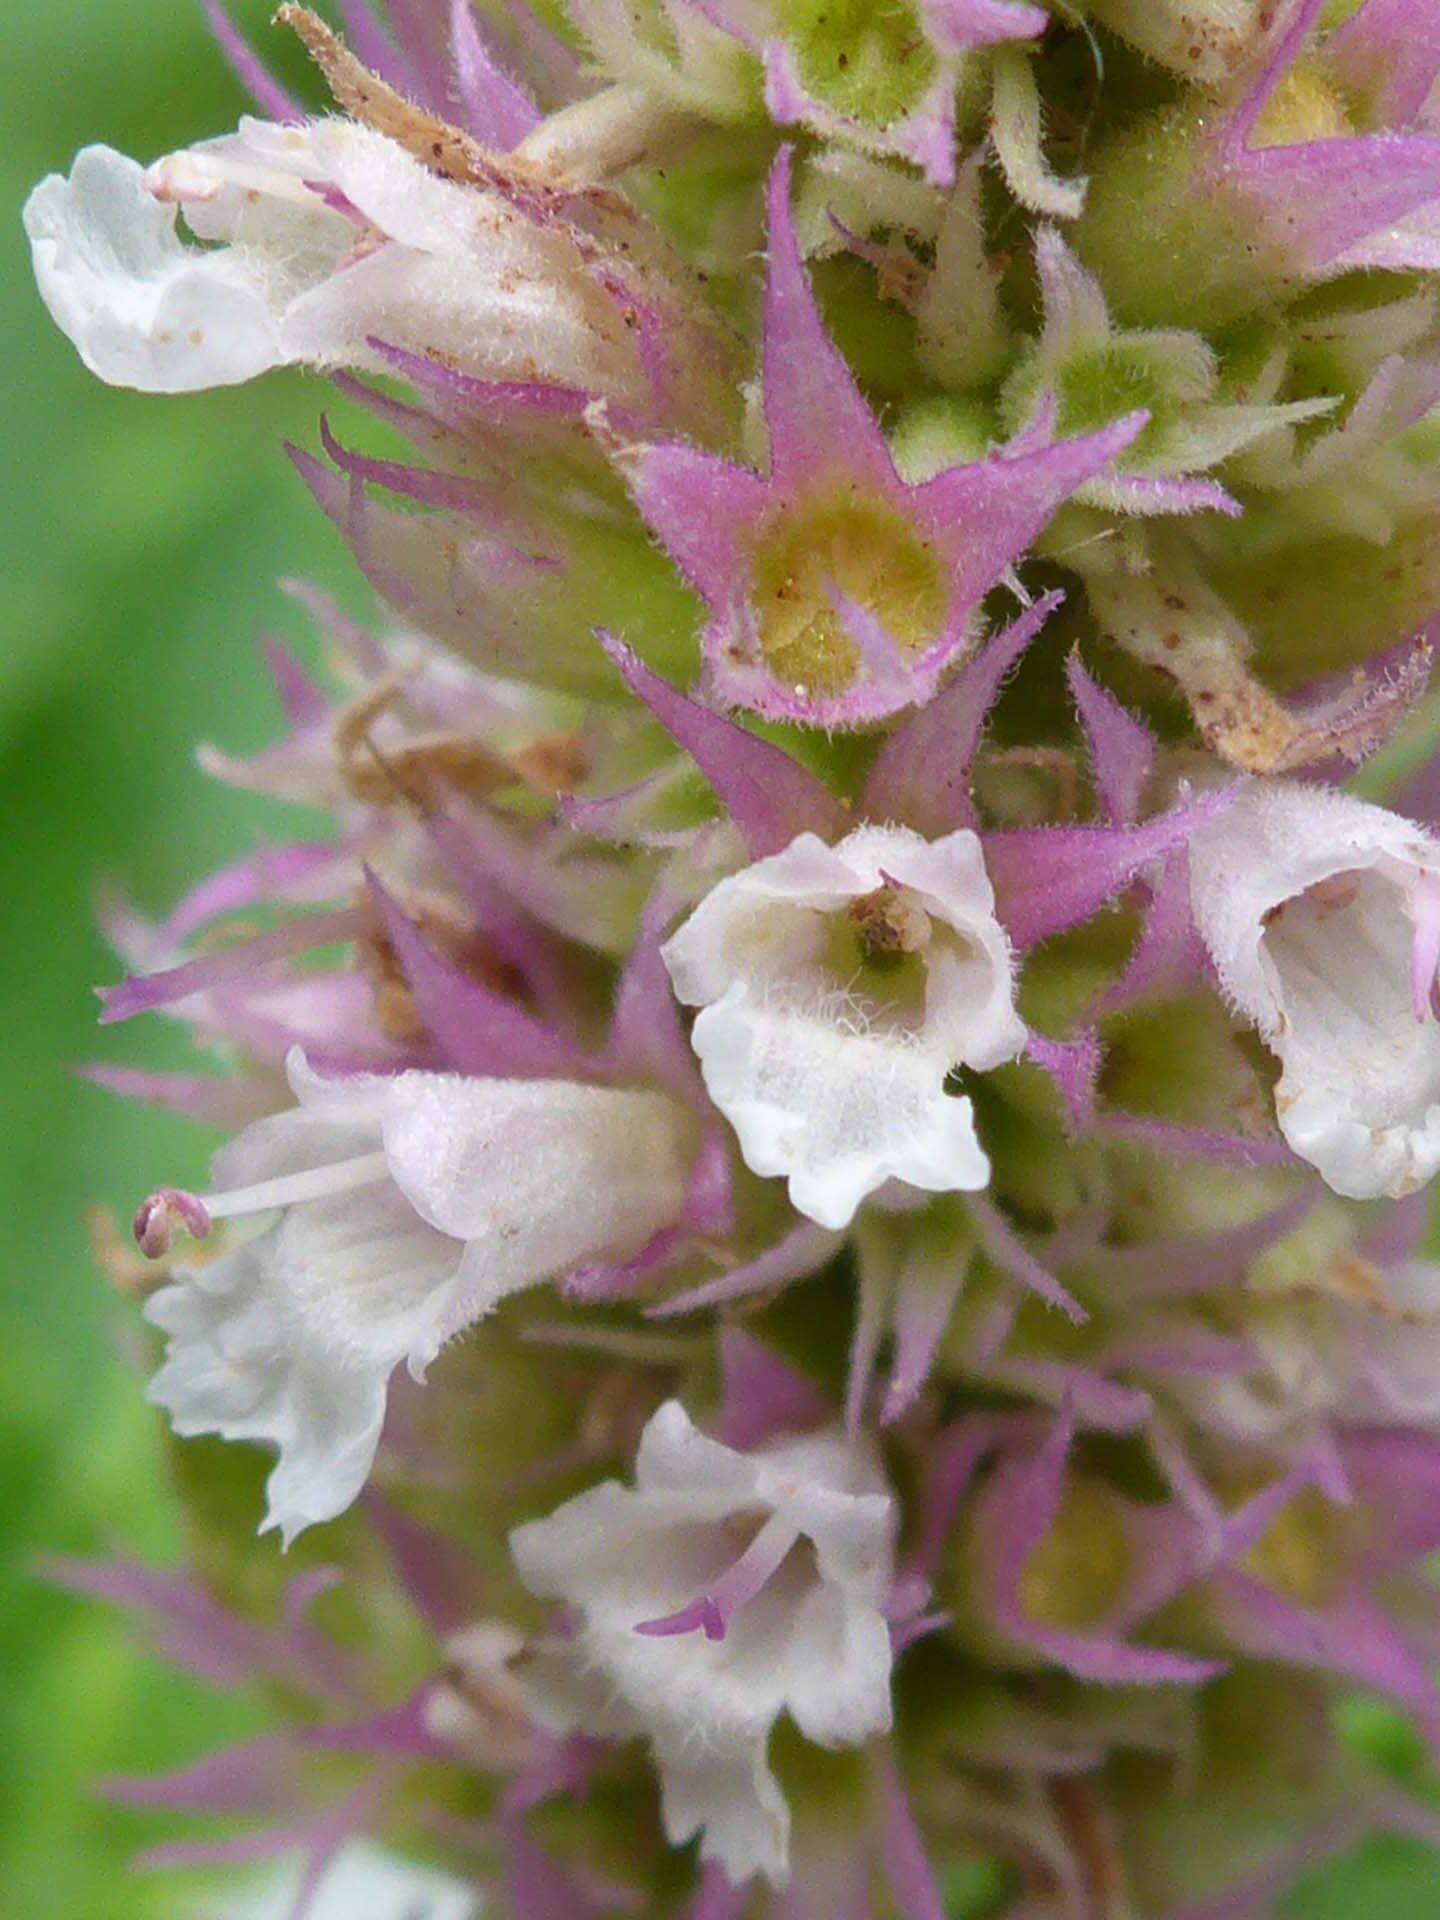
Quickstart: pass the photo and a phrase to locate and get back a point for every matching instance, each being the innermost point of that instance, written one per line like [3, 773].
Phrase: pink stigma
[700, 1613]
[157, 1216]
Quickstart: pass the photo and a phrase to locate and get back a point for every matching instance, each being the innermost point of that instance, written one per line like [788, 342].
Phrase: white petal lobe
[143, 309]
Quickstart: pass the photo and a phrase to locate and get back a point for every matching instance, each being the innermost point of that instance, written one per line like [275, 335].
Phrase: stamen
[156, 1218]
[890, 921]
[315, 1183]
[735, 1588]
[186, 176]
[177, 178]
[700, 1613]
[1425, 953]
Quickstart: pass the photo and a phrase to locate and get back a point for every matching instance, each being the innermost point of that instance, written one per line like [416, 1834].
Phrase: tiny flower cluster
[825, 1218]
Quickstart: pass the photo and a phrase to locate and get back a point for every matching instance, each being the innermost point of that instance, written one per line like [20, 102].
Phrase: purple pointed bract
[921, 774]
[1019, 1506]
[496, 108]
[262, 86]
[478, 1030]
[1391, 50]
[1122, 750]
[770, 797]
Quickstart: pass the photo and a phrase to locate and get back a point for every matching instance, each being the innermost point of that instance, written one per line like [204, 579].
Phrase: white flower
[839, 986]
[320, 237]
[1322, 916]
[407, 1209]
[723, 1591]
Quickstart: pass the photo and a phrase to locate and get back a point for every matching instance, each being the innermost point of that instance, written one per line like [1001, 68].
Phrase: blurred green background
[141, 541]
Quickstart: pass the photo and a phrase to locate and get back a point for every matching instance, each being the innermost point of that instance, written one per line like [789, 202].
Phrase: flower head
[730, 846]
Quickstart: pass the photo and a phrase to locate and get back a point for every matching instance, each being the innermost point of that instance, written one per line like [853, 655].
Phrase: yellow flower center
[1305, 106]
[876, 559]
[1298, 1553]
[1077, 1573]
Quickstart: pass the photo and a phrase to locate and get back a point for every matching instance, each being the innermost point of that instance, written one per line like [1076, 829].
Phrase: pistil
[735, 1588]
[158, 1216]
